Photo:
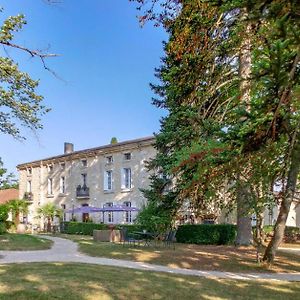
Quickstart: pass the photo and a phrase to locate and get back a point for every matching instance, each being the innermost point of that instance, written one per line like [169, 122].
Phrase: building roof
[90, 151]
[8, 194]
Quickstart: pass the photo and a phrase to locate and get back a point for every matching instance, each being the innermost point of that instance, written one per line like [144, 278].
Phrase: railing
[28, 196]
[82, 191]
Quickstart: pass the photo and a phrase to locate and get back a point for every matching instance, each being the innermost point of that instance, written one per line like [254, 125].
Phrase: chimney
[69, 148]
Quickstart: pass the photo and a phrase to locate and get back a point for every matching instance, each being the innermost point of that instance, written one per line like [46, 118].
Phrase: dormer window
[109, 160]
[50, 168]
[84, 162]
[29, 171]
[127, 156]
[62, 165]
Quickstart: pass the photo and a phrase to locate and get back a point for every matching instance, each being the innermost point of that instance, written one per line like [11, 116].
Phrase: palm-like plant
[16, 207]
[48, 211]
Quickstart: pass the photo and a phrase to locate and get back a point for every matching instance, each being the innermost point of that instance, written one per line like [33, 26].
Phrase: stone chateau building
[105, 176]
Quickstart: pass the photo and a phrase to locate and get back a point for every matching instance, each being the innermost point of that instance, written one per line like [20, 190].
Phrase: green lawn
[12, 241]
[81, 281]
[222, 258]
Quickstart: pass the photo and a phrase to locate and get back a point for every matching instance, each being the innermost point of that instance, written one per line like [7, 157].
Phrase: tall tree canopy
[230, 82]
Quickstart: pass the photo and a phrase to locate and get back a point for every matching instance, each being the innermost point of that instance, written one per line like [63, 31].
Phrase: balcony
[82, 192]
[28, 196]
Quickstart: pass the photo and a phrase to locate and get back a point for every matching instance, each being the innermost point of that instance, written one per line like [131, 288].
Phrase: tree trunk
[244, 228]
[285, 203]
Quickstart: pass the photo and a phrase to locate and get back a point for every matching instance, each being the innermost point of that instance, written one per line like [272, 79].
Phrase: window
[127, 156]
[63, 207]
[109, 160]
[84, 176]
[29, 186]
[62, 185]
[128, 217]
[50, 168]
[29, 171]
[85, 216]
[126, 178]
[108, 180]
[63, 166]
[50, 186]
[84, 162]
[110, 213]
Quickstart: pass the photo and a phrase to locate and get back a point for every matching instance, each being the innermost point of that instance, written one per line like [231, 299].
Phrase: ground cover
[83, 281]
[12, 241]
[221, 258]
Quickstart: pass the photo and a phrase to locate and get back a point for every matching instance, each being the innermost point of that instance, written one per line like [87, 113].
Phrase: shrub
[2, 228]
[206, 234]
[131, 228]
[80, 227]
[3, 212]
[291, 233]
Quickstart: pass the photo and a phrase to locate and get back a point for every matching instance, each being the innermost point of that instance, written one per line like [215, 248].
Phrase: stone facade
[110, 174]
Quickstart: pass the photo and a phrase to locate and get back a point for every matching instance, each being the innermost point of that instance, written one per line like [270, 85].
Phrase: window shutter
[123, 174]
[105, 181]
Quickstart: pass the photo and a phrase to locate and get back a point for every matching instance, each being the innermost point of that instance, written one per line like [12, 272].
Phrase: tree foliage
[229, 131]
[20, 103]
[7, 181]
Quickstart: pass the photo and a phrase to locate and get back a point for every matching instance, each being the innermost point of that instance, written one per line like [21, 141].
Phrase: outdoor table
[147, 236]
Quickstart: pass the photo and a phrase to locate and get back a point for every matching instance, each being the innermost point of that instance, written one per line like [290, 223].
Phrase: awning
[92, 209]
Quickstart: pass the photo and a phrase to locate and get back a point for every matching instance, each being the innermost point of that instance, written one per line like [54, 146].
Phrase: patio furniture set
[148, 239]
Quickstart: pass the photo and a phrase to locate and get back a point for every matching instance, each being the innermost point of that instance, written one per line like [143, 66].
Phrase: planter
[21, 228]
[107, 235]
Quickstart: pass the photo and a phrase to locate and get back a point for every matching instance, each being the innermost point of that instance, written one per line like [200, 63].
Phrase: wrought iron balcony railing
[82, 191]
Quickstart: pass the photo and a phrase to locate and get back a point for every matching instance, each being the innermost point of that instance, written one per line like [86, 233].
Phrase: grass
[80, 281]
[13, 241]
[220, 258]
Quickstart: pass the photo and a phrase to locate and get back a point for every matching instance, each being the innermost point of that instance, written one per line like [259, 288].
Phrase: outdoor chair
[169, 238]
[129, 239]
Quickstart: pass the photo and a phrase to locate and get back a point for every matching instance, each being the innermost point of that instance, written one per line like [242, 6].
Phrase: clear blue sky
[107, 61]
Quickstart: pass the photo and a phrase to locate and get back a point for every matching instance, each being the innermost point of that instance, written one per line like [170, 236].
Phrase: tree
[114, 140]
[49, 211]
[7, 181]
[20, 104]
[226, 107]
[17, 207]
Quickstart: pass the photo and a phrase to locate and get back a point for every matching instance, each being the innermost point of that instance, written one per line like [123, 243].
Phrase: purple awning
[92, 209]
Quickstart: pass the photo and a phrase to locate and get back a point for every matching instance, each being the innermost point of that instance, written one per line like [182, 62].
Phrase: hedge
[80, 228]
[206, 234]
[2, 228]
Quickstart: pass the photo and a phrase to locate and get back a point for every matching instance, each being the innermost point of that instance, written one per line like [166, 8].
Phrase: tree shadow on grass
[82, 281]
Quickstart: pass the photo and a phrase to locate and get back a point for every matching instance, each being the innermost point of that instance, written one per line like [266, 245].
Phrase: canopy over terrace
[92, 209]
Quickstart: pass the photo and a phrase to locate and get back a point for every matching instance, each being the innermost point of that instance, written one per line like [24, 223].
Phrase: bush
[3, 212]
[80, 228]
[2, 228]
[291, 233]
[206, 234]
[131, 228]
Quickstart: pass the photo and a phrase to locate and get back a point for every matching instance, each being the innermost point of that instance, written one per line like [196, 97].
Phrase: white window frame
[126, 180]
[128, 214]
[50, 186]
[29, 186]
[129, 154]
[109, 159]
[62, 185]
[108, 180]
[110, 215]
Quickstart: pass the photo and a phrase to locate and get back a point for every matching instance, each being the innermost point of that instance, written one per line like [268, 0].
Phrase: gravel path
[65, 250]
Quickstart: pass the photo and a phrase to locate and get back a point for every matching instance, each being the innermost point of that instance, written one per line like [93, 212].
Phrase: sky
[106, 62]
